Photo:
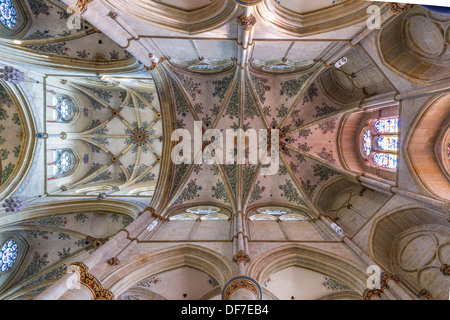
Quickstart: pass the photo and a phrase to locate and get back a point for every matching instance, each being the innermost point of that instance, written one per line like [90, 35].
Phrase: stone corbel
[241, 256]
[247, 23]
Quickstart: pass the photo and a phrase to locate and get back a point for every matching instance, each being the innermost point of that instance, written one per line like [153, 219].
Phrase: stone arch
[388, 231]
[414, 45]
[155, 262]
[423, 153]
[310, 258]
[29, 145]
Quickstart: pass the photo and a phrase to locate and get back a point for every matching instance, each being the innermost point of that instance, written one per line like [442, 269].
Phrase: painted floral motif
[50, 221]
[231, 173]
[250, 108]
[282, 111]
[247, 174]
[308, 187]
[327, 126]
[310, 94]
[290, 88]
[39, 7]
[181, 105]
[256, 193]
[38, 233]
[149, 282]
[304, 147]
[323, 172]
[180, 171]
[189, 193]
[233, 106]
[221, 87]
[54, 274]
[37, 263]
[191, 87]
[334, 285]
[81, 217]
[304, 133]
[261, 87]
[324, 110]
[268, 280]
[220, 192]
[126, 220]
[64, 253]
[291, 193]
[327, 156]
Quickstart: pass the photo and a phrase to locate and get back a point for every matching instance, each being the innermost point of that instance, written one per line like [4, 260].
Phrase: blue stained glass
[8, 255]
[388, 143]
[8, 15]
[389, 125]
[385, 160]
[367, 142]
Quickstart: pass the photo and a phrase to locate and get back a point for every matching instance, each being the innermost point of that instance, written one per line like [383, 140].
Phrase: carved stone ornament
[369, 294]
[81, 6]
[445, 269]
[90, 281]
[398, 8]
[241, 256]
[113, 261]
[247, 23]
[241, 283]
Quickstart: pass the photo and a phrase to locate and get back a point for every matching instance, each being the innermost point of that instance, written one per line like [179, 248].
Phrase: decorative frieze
[241, 283]
[88, 280]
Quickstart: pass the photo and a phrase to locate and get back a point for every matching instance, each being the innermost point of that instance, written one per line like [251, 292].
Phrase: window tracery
[8, 14]
[64, 109]
[64, 163]
[378, 143]
[8, 255]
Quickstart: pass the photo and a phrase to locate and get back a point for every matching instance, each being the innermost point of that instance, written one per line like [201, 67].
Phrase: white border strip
[441, 3]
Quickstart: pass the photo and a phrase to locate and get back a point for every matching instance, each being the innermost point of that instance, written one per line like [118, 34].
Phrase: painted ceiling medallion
[139, 136]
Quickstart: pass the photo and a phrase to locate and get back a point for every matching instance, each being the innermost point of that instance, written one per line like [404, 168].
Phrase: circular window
[64, 109]
[64, 163]
[8, 255]
[8, 15]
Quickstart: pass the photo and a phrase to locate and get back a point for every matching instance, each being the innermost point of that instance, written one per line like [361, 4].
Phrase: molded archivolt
[310, 258]
[159, 261]
[335, 17]
[415, 45]
[425, 147]
[176, 16]
[28, 144]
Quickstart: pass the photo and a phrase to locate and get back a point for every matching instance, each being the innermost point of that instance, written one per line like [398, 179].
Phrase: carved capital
[398, 8]
[241, 283]
[89, 281]
[369, 294]
[247, 23]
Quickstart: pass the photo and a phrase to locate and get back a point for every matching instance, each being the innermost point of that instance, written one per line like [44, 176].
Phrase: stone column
[240, 256]
[98, 259]
[385, 294]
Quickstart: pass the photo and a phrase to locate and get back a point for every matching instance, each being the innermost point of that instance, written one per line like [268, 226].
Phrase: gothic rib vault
[135, 225]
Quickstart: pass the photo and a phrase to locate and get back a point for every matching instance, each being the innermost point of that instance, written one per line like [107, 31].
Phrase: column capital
[369, 294]
[247, 23]
[91, 282]
[242, 282]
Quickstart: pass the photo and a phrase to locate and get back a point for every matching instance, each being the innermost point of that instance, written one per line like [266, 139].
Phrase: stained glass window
[387, 125]
[388, 143]
[8, 13]
[367, 142]
[385, 160]
[64, 162]
[8, 255]
[64, 109]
